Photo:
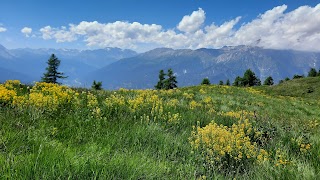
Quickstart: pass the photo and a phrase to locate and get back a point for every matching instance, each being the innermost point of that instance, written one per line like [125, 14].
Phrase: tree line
[169, 80]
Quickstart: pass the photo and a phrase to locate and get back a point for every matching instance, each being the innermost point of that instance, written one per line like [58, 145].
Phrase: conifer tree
[268, 81]
[250, 79]
[96, 85]
[237, 81]
[205, 81]
[228, 82]
[160, 84]
[171, 82]
[220, 82]
[312, 72]
[52, 75]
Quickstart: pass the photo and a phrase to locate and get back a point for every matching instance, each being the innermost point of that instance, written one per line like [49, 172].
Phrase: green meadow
[203, 132]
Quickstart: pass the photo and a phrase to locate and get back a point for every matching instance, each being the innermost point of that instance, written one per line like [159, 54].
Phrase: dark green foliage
[220, 82]
[96, 85]
[160, 84]
[312, 72]
[52, 74]
[171, 82]
[228, 82]
[250, 79]
[287, 79]
[281, 81]
[296, 76]
[237, 81]
[205, 81]
[268, 81]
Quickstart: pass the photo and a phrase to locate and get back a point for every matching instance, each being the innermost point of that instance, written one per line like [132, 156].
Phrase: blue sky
[145, 24]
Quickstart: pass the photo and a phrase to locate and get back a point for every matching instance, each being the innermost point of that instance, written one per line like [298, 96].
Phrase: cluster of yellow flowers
[48, 95]
[6, 95]
[188, 95]
[281, 159]
[193, 104]
[115, 101]
[42, 95]
[219, 144]
[300, 144]
[238, 114]
[207, 100]
[145, 102]
[12, 84]
[313, 124]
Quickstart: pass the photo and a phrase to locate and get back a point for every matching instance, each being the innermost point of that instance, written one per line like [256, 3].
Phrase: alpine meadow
[50, 131]
[161, 89]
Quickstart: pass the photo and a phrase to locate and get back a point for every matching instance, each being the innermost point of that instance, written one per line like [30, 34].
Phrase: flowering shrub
[227, 148]
[42, 95]
[6, 95]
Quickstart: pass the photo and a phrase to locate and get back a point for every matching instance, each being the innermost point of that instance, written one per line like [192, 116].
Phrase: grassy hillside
[203, 132]
[308, 88]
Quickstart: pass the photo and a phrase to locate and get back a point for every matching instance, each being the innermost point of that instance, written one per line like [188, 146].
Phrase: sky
[142, 25]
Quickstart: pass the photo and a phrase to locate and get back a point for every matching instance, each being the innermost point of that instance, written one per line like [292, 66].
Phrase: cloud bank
[277, 29]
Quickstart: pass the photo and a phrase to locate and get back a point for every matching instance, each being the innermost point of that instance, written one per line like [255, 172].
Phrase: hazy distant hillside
[191, 66]
[74, 63]
[125, 68]
[6, 74]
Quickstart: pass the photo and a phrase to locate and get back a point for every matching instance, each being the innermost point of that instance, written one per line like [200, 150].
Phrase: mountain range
[28, 65]
[191, 66]
[125, 68]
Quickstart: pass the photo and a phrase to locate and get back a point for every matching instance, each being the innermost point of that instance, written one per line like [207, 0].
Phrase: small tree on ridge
[171, 82]
[52, 75]
[160, 84]
[205, 81]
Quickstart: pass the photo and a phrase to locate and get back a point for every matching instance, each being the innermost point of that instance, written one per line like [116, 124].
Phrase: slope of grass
[147, 134]
[305, 87]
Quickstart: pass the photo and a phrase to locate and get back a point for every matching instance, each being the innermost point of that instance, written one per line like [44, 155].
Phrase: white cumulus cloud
[298, 29]
[26, 31]
[59, 34]
[192, 23]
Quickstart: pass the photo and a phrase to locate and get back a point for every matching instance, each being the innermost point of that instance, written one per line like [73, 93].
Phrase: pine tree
[297, 76]
[268, 81]
[312, 72]
[228, 82]
[250, 79]
[160, 84]
[171, 82]
[237, 81]
[96, 85]
[52, 74]
[205, 81]
[220, 82]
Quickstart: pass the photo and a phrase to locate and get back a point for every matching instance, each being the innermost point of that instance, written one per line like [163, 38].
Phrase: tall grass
[145, 134]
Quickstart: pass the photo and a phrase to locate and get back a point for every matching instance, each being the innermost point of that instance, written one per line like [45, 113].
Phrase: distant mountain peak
[2, 47]
[4, 53]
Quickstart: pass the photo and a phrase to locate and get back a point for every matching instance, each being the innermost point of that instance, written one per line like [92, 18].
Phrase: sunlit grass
[49, 131]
